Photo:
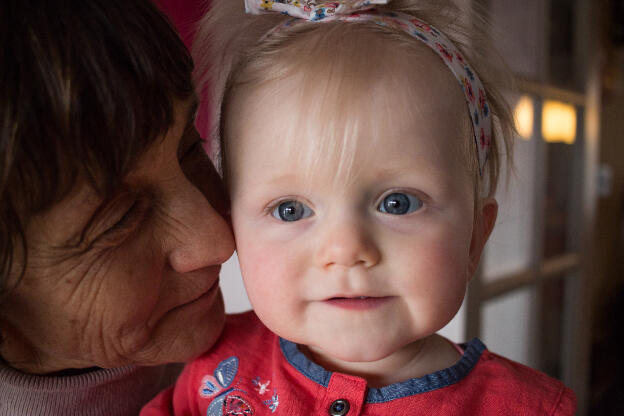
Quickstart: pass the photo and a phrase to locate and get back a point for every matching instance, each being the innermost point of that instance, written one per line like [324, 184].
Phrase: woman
[111, 227]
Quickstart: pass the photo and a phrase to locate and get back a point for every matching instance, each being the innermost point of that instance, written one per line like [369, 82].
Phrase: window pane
[520, 36]
[507, 325]
[559, 202]
[509, 247]
[551, 326]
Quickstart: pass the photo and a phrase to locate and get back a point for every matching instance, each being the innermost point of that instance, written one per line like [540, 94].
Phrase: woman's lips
[210, 292]
[358, 302]
[203, 301]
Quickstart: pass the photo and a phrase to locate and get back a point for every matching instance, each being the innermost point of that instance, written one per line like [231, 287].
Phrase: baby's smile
[358, 302]
[363, 256]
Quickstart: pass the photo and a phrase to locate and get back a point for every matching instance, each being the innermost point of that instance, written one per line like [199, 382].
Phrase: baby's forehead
[314, 132]
[345, 91]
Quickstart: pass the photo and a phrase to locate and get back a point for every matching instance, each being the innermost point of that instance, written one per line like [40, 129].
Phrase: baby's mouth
[358, 302]
[354, 297]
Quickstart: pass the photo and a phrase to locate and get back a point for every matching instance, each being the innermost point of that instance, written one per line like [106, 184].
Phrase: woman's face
[132, 280]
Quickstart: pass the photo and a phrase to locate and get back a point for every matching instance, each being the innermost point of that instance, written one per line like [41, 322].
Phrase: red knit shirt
[252, 371]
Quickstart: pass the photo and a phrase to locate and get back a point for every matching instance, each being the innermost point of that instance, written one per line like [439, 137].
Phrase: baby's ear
[484, 222]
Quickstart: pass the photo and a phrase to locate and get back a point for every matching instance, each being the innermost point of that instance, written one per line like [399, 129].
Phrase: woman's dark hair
[85, 87]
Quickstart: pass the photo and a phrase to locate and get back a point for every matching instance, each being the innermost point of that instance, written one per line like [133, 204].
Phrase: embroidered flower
[387, 22]
[468, 90]
[209, 386]
[273, 402]
[483, 105]
[469, 73]
[485, 140]
[460, 58]
[324, 10]
[319, 14]
[401, 24]
[236, 406]
[420, 36]
[445, 52]
[261, 387]
[267, 4]
[421, 25]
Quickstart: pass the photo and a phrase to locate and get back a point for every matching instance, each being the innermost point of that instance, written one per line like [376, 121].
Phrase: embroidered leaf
[216, 407]
[209, 386]
[226, 371]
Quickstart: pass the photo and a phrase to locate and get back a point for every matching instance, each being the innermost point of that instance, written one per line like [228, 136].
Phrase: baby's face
[359, 256]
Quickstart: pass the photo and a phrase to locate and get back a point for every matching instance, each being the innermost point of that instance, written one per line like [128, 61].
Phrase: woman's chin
[186, 333]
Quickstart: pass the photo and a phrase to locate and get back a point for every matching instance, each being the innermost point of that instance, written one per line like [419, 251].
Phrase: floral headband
[363, 11]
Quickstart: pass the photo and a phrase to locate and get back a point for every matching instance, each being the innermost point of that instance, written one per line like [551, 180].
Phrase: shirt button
[339, 407]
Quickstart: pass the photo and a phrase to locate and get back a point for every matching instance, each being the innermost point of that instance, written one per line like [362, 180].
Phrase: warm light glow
[523, 114]
[558, 122]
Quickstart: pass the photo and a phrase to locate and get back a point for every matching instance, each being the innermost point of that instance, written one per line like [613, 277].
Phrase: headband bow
[362, 11]
[313, 10]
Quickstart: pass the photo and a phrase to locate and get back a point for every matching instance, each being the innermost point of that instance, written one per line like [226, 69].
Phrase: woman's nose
[348, 244]
[201, 236]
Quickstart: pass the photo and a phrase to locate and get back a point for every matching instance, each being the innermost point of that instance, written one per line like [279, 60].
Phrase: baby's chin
[369, 350]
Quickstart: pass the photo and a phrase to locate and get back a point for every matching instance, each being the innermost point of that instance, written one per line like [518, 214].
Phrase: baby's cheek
[265, 275]
[435, 274]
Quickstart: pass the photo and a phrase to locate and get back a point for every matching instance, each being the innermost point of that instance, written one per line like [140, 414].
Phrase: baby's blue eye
[291, 211]
[399, 203]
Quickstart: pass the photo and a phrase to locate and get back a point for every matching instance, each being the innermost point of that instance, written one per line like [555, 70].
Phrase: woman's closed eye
[131, 216]
[291, 210]
[117, 220]
[400, 203]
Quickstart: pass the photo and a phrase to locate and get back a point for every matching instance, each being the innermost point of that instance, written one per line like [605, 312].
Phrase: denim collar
[427, 383]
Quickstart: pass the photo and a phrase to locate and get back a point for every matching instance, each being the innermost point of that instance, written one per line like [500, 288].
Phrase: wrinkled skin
[141, 286]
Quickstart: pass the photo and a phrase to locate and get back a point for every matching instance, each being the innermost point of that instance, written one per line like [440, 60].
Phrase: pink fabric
[185, 15]
[263, 376]
[111, 392]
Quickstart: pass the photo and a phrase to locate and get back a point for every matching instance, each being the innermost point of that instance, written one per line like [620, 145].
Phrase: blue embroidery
[273, 402]
[421, 36]
[430, 382]
[261, 387]
[470, 74]
[219, 384]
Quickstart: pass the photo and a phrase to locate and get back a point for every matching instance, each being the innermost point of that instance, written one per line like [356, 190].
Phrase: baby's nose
[348, 245]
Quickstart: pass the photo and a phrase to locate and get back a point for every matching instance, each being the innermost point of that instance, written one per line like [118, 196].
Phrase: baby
[361, 147]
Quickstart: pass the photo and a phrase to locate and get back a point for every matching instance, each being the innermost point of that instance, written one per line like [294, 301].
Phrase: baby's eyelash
[276, 202]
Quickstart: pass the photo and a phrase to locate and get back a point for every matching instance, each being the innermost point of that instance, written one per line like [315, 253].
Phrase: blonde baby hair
[232, 50]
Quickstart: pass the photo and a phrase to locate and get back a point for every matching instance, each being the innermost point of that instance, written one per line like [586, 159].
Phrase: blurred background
[552, 279]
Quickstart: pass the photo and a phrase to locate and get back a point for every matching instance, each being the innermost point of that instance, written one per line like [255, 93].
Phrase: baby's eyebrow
[288, 178]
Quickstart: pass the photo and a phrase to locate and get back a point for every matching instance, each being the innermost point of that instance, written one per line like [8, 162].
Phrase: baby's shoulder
[245, 345]
[521, 387]
[243, 334]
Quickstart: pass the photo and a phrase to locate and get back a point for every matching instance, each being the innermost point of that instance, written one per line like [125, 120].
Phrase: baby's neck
[417, 359]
